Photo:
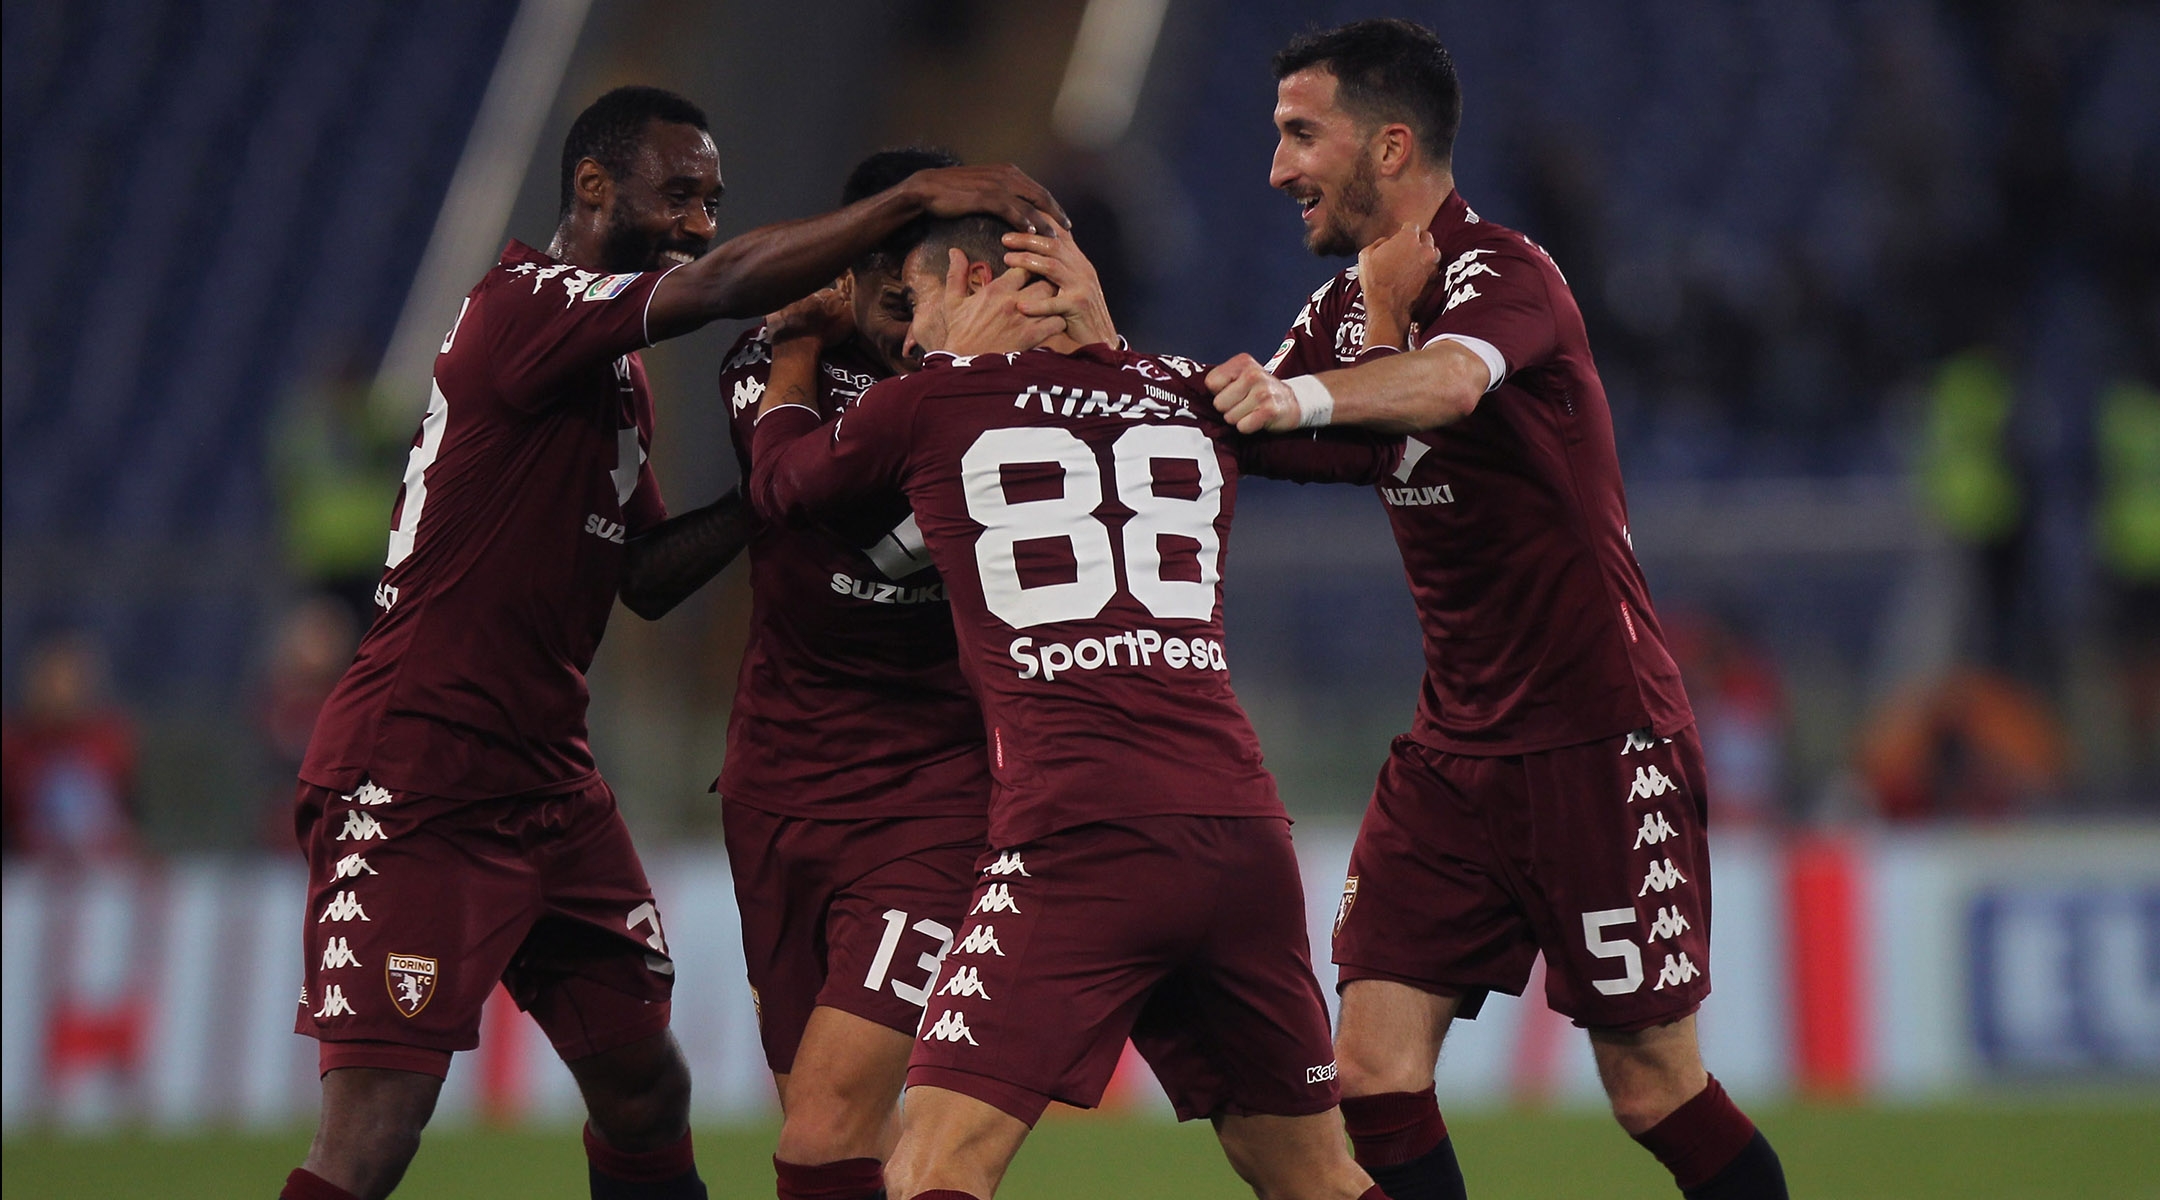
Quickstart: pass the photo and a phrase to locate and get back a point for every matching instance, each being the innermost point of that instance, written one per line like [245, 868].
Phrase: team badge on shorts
[411, 979]
[1349, 897]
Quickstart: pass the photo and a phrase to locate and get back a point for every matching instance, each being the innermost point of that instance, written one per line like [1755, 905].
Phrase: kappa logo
[1008, 863]
[1459, 274]
[747, 393]
[351, 866]
[965, 981]
[1662, 877]
[1642, 739]
[1669, 924]
[411, 980]
[1649, 783]
[982, 940]
[1320, 1074]
[337, 953]
[334, 1004]
[1349, 897]
[345, 906]
[361, 827]
[996, 898]
[1655, 829]
[367, 793]
[952, 1027]
[1676, 971]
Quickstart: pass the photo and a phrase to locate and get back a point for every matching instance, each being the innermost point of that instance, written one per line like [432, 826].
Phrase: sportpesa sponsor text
[1142, 648]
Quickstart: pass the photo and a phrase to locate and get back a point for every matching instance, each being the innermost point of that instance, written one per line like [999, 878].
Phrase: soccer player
[856, 790]
[456, 830]
[1076, 501]
[1550, 795]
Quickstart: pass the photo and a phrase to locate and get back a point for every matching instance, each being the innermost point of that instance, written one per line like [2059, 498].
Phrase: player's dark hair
[612, 128]
[1387, 70]
[978, 236]
[878, 172]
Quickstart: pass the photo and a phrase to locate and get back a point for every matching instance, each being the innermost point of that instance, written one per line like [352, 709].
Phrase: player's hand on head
[991, 321]
[1001, 190]
[1252, 400]
[1075, 294]
[1393, 272]
[827, 315]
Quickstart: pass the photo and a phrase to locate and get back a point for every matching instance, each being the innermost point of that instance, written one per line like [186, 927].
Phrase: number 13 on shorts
[896, 923]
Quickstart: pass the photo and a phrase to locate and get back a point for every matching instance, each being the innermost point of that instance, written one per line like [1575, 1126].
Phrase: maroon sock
[669, 1173]
[848, 1179]
[1372, 1193]
[304, 1184]
[1698, 1139]
[1393, 1127]
[1402, 1142]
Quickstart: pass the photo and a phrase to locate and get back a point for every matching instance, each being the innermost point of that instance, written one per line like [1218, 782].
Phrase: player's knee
[825, 1124]
[1367, 1066]
[1642, 1099]
[645, 1111]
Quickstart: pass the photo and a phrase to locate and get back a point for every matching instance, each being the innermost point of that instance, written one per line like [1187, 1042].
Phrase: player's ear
[1392, 149]
[591, 183]
[979, 275]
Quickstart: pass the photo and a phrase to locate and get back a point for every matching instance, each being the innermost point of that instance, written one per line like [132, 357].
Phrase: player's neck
[574, 245]
[1413, 200]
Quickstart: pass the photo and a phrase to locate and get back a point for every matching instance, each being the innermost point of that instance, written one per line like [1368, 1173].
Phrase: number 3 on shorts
[1593, 934]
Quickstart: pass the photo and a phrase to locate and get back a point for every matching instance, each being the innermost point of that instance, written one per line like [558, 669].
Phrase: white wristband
[1316, 404]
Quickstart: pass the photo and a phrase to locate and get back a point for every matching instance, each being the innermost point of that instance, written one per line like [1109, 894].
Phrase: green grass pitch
[2101, 1150]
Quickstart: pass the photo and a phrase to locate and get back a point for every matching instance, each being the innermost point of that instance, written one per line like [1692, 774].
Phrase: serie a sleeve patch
[607, 287]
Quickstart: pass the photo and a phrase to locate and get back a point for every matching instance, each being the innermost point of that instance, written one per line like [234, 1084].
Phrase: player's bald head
[1386, 70]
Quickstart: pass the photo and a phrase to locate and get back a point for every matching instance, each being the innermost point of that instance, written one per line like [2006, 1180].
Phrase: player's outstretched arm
[663, 565]
[1400, 393]
[776, 264]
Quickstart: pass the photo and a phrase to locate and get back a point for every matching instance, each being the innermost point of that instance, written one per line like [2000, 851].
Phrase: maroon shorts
[852, 915]
[1186, 934]
[417, 905]
[1466, 867]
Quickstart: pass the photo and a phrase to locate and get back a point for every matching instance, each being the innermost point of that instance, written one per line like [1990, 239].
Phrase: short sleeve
[1309, 346]
[1495, 298]
[544, 324]
[743, 377]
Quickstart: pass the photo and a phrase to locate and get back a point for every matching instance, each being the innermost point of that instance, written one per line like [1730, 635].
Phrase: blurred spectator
[1972, 486]
[2127, 541]
[1738, 696]
[1974, 744]
[336, 467]
[69, 759]
[314, 644]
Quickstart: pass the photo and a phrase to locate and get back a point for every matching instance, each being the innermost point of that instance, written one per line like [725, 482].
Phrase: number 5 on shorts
[1593, 934]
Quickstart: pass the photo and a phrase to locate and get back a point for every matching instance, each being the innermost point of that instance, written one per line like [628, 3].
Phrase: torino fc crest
[412, 982]
[1349, 897]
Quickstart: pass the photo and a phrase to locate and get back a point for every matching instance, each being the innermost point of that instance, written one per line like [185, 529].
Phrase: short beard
[625, 249]
[1358, 201]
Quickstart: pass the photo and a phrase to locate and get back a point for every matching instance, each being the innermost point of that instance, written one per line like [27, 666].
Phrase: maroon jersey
[506, 544]
[1078, 507]
[850, 704]
[1512, 522]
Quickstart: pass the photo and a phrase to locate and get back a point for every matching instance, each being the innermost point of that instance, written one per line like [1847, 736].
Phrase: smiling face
[882, 316]
[661, 212]
[1326, 160]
